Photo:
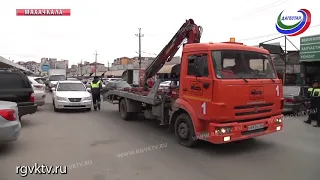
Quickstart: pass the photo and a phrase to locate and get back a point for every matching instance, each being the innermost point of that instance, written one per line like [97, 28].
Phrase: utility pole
[95, 63]
[108, 66]
[285, 60]
[81, 69]
[139, 37]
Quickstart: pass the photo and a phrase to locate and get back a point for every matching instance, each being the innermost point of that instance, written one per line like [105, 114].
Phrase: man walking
[314, 94]
[96, 87]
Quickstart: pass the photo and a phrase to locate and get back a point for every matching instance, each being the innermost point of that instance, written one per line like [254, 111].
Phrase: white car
[165, 85]
[39, 91]
[71, 95]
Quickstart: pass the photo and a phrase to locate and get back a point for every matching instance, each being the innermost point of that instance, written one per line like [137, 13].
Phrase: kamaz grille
[253, 109]
[74, 99]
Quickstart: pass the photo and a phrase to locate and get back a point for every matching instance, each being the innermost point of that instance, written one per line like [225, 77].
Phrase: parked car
[116, 85]
[16, 87]
[39, 91]
[295, 98]
[71, 95]
[165, 85]
[107, 80]
[9, 123]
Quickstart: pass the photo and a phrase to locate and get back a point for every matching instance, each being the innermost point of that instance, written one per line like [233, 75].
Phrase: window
[12, 81]
[71, 87]
[39, 80]
[110, 85]
[198, 65]
[122, 84]
[291, 90]
[231, 64]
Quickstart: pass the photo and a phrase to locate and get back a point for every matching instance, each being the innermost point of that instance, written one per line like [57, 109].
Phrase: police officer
[96, 87]
[314, 94]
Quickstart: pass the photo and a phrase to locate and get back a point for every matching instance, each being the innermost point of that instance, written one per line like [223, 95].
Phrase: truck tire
[123, 110]
[184, 131]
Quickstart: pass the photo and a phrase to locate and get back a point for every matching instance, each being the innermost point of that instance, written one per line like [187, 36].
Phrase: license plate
[75, 104]
[256, 126]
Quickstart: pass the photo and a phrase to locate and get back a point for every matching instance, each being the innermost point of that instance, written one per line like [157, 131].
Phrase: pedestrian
[96, 88]
[314, 94]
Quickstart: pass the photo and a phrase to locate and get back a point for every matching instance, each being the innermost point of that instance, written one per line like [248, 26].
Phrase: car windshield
[71, 87]
[291, 90]
[123, 84]
[57, 78]
[231, 64]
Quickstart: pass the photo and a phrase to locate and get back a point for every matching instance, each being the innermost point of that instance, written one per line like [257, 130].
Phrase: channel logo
[294, 25]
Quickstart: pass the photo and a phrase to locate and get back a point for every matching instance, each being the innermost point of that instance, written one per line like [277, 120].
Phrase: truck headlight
[278, 120]
[223, 130]
[87, 98]
[61, 98]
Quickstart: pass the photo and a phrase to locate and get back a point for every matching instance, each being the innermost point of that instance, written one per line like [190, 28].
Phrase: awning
[166, 69]
[114, 73]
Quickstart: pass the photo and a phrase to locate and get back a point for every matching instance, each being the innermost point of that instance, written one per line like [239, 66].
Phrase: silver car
[39, 91]
[9, 122]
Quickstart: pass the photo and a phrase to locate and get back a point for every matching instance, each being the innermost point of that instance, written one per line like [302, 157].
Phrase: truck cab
[230, 91]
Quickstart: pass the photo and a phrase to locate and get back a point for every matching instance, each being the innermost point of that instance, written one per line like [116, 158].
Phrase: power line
[260, 9]
[269, 35]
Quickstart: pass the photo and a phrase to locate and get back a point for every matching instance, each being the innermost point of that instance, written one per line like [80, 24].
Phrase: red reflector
[8, 114]
[32, 97]
[289, 100]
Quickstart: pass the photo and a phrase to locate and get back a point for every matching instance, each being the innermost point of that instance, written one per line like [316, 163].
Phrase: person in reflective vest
[315, 85]
[314, 94]
[96, 87]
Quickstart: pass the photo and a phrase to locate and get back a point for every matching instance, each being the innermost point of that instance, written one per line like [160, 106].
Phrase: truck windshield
[57, 78]
[232, 64]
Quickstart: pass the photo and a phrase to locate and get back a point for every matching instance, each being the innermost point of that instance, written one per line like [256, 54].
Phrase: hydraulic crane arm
[190, 31]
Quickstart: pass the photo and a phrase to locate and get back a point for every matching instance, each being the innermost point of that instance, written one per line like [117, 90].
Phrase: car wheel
[88, 109]
[184, 131]
[54, 107]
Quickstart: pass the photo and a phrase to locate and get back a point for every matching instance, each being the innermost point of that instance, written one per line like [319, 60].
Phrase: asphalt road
[90, 143]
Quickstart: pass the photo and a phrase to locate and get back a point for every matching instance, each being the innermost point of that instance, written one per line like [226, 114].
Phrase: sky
[109, 26]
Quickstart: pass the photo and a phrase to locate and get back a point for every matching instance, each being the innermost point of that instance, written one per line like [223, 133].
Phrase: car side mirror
[53, 89]
[89, 89]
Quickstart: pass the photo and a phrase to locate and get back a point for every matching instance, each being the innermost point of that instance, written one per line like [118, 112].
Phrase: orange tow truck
[223, 92]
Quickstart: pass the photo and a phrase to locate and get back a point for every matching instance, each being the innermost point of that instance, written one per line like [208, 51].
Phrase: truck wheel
[184, 131]
[123, 110]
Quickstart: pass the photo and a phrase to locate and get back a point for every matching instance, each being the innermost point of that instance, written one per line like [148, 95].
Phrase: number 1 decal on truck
[278, 91]
[204, 108]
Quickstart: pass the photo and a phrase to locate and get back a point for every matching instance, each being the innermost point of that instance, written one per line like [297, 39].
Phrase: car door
[198, 88]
